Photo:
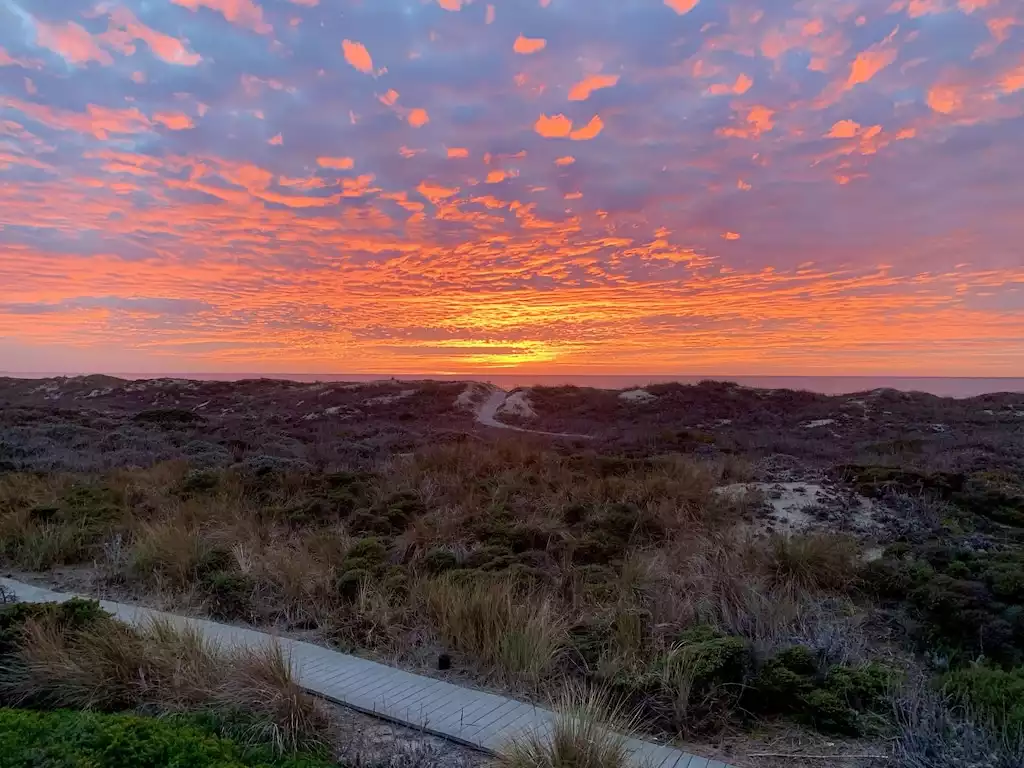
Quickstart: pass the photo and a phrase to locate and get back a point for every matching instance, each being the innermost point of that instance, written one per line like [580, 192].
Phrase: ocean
[829, 385]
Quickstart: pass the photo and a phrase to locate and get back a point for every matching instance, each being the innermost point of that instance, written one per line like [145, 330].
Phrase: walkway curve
[478, 719]
[488, 410]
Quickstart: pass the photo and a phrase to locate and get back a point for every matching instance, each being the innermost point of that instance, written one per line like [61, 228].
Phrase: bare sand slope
[488, 410]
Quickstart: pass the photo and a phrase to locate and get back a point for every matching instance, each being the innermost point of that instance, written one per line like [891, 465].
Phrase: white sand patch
[518, 404]
[818, 423]
[791, 507]
[470, 397]
[873, 553]
[637, 396]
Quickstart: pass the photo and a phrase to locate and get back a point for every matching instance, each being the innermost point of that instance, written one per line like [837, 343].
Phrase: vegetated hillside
[883, 426]
[96, 422]
[735, 590]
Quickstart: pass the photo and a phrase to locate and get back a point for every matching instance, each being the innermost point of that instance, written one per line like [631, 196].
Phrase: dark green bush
[71, 616]
[168, 417]
[67, 739]
[229, 595]
[994, 693]
[350, 581]
[439, 560]
[966, 602]
[695, 686]
[388, 517]
[199, 481]
[83, 505]
[833, 699]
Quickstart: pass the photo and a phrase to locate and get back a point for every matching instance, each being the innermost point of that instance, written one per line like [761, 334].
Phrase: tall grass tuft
[517, 634]
[587, 732]
[817, 561]
[161, 668]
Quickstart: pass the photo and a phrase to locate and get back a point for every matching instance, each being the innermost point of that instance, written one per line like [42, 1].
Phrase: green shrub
[995, 693]
[69, 739]
[832, 699]
[229, 595]
[439, 560]
[168, 417]
[694, 686]
[71, 616]
[350, 581]
[388, 517]
[199, 481]
[966, 602]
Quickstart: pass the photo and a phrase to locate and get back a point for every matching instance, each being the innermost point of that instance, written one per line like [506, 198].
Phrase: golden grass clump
[514, 633]
[587, 732]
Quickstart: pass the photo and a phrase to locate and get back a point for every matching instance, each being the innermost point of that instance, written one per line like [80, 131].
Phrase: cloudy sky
[438, 186]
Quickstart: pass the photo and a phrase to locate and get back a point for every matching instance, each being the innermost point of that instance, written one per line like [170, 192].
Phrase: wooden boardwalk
[476, 718]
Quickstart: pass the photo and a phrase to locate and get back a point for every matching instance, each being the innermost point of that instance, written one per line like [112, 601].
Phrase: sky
[575, 186]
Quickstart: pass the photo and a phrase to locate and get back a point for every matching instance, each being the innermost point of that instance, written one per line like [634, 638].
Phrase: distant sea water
[828, 385]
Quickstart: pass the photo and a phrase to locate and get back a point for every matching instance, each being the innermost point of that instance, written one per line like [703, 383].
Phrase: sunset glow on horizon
[545, 186]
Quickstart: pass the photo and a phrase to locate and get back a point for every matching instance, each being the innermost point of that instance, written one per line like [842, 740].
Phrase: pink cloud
[244, 13]
[72, 42]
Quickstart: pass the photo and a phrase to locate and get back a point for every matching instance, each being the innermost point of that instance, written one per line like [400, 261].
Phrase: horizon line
[476, 375]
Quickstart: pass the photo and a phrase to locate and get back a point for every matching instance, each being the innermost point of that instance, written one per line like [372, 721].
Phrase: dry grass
[161, 668]
[588, 732]
[516, 635]
[814, 561]
[664, 555]
[936, 733]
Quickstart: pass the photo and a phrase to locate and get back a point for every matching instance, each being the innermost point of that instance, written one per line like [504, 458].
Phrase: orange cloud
[759, 120]
[682, 7]
[458, 152]
[72, 42]
[527, 45]
[336, 163]
[436, 193]
[589, 131]
[868, 64]
[418, 117]
[844, 129]
[450, 5]
[554, 127]
[946, 99]
[493, 177]
[741, 86]
[730, 236]
[1012, 81]
[175, 121]
[96, 121]
[276, 140]
[357, 56]
[490, 15]
[582, 90]
[244, 13]
[567, 160]
[389, 98]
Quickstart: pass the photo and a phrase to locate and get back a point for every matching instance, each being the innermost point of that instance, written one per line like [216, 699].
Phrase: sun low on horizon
[440, 186]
